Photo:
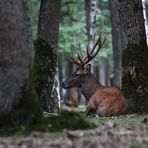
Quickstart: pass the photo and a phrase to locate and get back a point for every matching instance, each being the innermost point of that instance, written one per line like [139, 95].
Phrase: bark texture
[146, 9]
[17, 105]
[48, 29]
[90, 14]
[135, 52]
[144, 4]
[87, 15]
[117, 43]
[92, 24]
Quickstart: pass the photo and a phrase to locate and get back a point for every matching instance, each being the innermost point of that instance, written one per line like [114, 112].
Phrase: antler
[90, 54]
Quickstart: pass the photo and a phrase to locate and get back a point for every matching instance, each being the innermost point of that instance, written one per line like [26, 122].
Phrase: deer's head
[83, 71]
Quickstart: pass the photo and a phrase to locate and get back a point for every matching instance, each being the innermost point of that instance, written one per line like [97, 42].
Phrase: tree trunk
[135, 53]
[48, 29]
[92, 23]
[144, 3]
[117, 43]
[146, 8]
[87, 15]
[90, 13]
[103, 71]
[18, 105]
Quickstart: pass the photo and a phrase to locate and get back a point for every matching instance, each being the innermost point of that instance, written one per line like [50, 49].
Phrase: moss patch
[70, 120]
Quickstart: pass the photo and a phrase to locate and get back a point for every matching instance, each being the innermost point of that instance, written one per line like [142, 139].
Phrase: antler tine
[79, 46]
[100, 44]
[81, 61]
[75, 61]
[90, 54]
[87, 54]
[94, 38]
[92, 50]
[81, 54]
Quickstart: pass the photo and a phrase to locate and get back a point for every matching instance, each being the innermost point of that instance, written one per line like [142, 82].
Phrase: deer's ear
[88, 68]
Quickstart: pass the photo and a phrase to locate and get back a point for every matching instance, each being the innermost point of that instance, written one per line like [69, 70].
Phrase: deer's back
[108, 101]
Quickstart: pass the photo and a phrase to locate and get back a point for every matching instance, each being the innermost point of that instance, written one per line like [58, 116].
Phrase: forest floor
[128, 131]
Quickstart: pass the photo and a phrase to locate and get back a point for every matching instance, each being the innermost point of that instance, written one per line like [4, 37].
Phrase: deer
[101, 100]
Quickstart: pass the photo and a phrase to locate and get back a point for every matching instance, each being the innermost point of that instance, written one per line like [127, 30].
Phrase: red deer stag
[104, 101]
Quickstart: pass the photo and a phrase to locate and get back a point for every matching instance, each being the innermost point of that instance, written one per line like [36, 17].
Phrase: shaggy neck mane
[89, 86]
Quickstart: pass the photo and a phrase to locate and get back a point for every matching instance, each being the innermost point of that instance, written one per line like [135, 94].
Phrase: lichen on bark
[134, 55]
[135, 74]
[44, 68]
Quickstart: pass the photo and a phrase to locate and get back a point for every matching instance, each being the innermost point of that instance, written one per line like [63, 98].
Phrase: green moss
[70, 120]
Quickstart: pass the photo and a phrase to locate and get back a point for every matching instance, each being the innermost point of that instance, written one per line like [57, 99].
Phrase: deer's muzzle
[64, 85]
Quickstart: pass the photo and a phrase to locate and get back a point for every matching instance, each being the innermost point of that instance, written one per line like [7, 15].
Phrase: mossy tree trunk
[18, 104]
[135, 53]
[117, 43]
[46, 72]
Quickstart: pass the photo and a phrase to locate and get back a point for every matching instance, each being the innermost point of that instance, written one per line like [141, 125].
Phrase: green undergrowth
[73, 119]
[124, 121]
[70, 120]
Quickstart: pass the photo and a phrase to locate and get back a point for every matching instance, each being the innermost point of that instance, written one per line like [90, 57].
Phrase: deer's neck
[89, 87]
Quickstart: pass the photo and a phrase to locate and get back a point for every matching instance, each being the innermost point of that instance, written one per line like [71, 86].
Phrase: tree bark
[90, 14]
[103, 71]
[117, 43]
[92, 23]
[48, 29]
[135, 53]
[145, 13]
[87, 15]
[146, 8]
[18, 105]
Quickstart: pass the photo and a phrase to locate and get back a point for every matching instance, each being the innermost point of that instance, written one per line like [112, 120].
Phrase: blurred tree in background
[117, 43]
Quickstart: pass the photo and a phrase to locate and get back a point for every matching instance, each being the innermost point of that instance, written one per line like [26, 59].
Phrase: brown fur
[74, 99]
[107, 101]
